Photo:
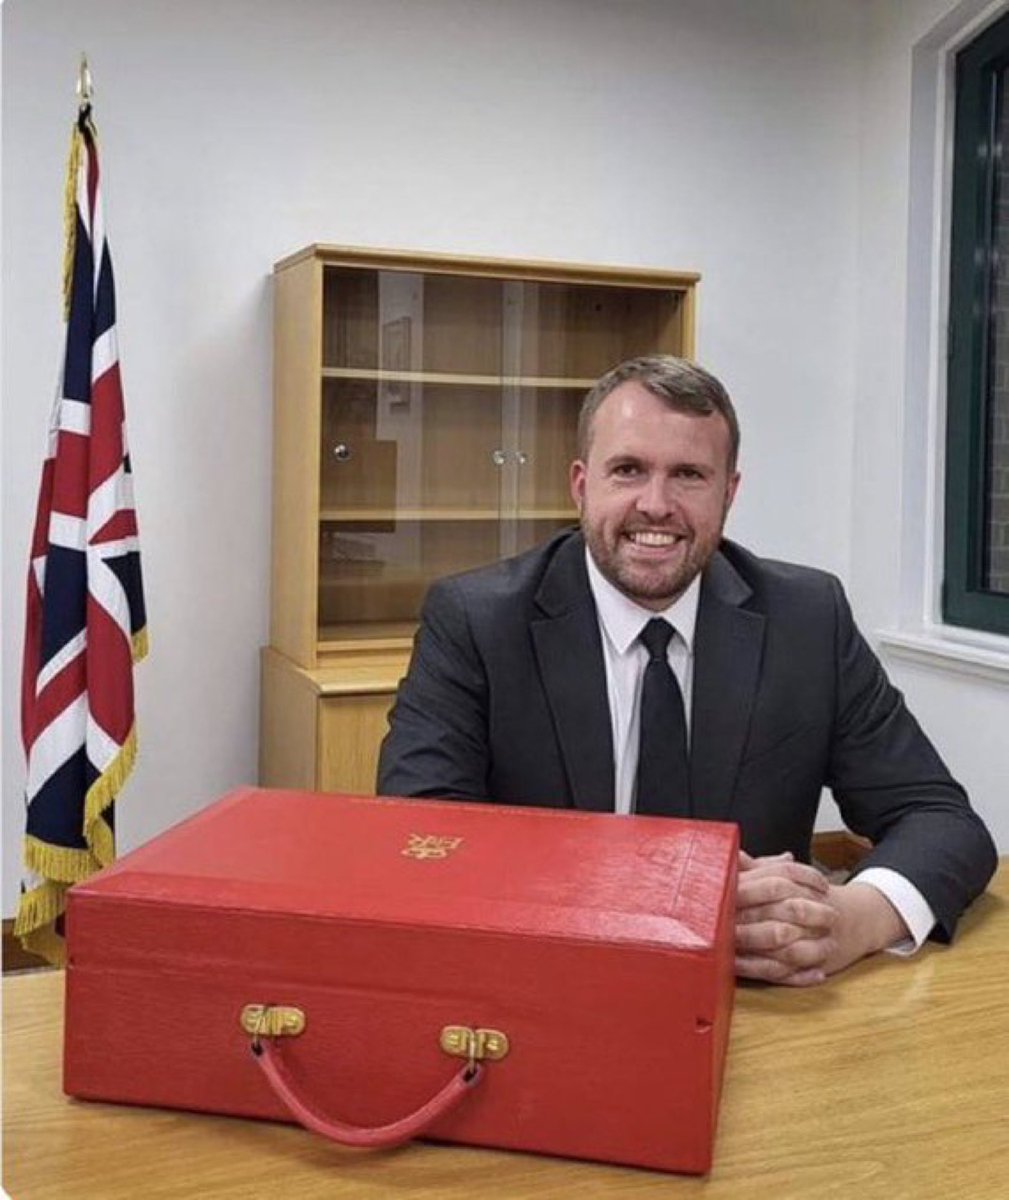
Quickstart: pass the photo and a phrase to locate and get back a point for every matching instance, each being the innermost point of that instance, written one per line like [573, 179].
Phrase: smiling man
[646, 664]
[653, 485]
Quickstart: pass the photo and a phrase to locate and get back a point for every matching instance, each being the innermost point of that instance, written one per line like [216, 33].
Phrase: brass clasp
[474, 1044]
[268, 1020]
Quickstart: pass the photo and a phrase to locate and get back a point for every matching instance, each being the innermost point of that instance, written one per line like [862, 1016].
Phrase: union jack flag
[86, 623]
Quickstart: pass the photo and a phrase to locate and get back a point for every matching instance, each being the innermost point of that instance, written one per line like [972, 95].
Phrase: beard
[652, 585]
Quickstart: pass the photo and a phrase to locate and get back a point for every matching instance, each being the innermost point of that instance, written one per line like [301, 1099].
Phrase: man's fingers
[787, 868]
[747, 862]
[799, 954]
[770, 970]
[810, 978]
[792, 944]
[794, 910]
[786, 923]
[755, 888]
[767, 936]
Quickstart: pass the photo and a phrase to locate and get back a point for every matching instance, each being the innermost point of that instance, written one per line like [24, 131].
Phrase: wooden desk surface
[890, 1081]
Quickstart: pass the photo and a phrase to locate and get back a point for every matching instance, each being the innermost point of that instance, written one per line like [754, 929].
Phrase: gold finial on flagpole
[84, 84]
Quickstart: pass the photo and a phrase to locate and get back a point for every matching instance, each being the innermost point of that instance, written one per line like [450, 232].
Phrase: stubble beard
[651, 587]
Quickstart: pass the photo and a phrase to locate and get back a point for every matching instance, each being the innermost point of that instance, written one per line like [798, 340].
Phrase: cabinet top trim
[502, 268]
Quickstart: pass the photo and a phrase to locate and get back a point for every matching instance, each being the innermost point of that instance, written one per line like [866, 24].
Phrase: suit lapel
[570, 658]
[728, 644]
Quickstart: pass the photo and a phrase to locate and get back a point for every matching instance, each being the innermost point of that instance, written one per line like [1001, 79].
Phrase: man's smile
[657, 538]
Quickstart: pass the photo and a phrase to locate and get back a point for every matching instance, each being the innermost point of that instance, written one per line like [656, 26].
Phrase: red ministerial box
[569, 974]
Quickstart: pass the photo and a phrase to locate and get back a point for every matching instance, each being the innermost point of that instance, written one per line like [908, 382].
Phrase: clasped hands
[796, 928]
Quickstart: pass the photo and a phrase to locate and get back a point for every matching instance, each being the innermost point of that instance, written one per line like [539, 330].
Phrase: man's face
[653, 493]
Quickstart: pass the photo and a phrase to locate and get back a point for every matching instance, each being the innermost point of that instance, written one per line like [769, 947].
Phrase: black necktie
[663, 773]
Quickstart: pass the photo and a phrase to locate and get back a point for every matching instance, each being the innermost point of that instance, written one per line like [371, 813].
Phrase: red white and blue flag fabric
[86, 622]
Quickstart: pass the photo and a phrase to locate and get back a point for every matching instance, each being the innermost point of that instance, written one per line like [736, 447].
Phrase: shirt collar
[622, 620]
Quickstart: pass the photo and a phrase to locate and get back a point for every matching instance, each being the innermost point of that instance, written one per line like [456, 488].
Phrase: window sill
[960, 652]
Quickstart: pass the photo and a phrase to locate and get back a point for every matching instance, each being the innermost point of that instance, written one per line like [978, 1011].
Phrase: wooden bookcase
[424, 420]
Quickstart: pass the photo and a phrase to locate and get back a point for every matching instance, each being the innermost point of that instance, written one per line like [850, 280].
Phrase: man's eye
[689, 473]
[626, 470]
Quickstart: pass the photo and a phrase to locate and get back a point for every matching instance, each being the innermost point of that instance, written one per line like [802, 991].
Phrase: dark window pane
[975, 589]
[996, 530]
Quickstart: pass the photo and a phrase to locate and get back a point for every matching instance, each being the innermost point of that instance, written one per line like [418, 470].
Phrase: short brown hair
[683, 385]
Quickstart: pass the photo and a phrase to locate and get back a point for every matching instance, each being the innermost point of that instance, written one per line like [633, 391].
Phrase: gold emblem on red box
[429, 845]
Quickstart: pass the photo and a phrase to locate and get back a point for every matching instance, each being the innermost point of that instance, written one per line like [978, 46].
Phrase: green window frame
[977, 408]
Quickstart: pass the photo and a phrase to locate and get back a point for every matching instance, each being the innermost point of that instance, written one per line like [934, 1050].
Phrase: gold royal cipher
[429, 845]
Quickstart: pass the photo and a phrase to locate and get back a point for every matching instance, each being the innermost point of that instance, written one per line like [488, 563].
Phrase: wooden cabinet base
[321, 728]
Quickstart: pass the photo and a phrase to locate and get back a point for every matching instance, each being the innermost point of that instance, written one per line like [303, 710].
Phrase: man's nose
[655, 499]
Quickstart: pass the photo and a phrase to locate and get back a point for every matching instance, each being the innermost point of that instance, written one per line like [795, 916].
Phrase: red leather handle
[413, 1125]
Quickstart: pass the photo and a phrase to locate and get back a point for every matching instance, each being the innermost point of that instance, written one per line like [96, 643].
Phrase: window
[976, 582]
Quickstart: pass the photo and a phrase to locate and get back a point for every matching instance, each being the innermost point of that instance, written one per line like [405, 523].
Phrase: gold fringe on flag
[100, 795]
[39, 935]
[140, 644]
[70, 206]
[62, 864]
[40, 906]
[70, 217]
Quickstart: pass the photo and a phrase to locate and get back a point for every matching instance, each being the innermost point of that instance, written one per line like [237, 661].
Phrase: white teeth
[646, 537]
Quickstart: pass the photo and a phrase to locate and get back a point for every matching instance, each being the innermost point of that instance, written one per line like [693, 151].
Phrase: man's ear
[730, 491]
[576, 482]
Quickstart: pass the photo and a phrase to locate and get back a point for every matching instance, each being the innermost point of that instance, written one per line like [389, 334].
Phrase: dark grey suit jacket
[505, 700]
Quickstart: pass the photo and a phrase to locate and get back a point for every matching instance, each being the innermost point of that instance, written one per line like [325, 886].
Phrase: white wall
[717, 136]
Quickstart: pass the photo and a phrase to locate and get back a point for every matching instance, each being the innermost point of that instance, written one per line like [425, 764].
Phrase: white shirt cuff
[912, 907]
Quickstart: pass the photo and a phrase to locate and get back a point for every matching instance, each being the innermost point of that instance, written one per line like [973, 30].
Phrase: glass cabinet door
[448, 417]
[411, 448]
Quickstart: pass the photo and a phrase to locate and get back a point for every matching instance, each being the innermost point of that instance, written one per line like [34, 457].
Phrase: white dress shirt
[625, 658]
[620, 622]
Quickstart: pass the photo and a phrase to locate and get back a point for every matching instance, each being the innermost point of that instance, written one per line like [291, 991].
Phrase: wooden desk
[890, 1081]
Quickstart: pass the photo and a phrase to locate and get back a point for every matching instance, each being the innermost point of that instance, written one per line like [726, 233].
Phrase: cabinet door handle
[498, 458]
[521, 458]
[341, 452]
